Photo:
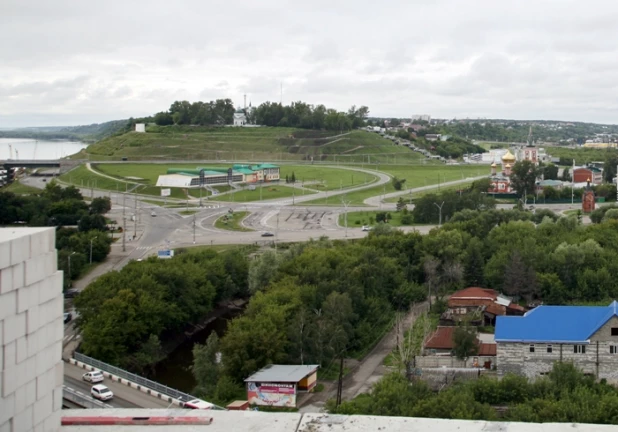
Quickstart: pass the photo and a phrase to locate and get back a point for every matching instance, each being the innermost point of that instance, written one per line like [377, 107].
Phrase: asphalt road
[124, 396]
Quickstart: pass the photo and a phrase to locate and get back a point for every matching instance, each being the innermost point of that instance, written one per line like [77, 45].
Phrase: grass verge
[232, 222]
[264, 192]
[21, 189]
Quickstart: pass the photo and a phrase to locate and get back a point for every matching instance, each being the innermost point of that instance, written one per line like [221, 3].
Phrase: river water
[23, 148]
[175, 371]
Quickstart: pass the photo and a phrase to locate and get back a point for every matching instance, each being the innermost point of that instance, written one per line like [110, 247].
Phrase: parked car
[71, 293]
[198, 404]
[366, 228]
[68, 317]
[93, 377]
[101, 392]
[267, 234]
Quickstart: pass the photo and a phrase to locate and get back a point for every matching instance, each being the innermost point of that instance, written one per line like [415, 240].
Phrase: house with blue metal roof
[586, 335]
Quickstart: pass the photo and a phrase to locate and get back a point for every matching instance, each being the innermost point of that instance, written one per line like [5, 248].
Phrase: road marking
[143, 248]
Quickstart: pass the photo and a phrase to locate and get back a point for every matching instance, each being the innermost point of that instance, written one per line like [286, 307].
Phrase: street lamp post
[345, 206]
[92, 240]
[440, 209]
[70, 279]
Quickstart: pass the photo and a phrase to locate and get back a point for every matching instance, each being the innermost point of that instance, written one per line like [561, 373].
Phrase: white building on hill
[240, 119]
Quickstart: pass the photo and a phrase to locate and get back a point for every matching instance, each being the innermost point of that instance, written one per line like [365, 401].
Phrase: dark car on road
[268, 234]
[68, 317]
[71, 293]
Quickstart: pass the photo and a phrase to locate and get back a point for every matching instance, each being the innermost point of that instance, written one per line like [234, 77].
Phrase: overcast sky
[76, 62]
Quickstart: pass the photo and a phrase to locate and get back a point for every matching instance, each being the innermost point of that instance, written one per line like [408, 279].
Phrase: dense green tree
[465, 343]
[206, 368]
[398, 183]
[474, 263]
[100, 205]
[523, 177]
[550, 172]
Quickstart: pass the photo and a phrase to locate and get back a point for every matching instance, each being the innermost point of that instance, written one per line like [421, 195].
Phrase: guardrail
[144, 382]
[81, 399]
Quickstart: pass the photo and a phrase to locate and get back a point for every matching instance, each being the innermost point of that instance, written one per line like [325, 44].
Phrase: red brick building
[585, 174]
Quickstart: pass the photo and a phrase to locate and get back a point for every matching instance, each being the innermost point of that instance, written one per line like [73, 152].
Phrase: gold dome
[508, 157]
[493, 164]
[507, 166]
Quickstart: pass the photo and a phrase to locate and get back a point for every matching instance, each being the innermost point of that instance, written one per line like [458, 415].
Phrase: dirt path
[367, 372]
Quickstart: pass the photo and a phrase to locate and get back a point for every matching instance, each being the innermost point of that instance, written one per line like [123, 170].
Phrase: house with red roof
[441, 343]
[480, 306]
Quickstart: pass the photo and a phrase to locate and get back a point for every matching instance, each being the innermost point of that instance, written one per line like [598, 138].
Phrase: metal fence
[144, 382]
[81, 399]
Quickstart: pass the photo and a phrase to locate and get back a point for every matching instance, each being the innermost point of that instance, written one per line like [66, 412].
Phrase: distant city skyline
[81, 62]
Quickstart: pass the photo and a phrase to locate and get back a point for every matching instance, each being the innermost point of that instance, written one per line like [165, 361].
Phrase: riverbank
[175, 369]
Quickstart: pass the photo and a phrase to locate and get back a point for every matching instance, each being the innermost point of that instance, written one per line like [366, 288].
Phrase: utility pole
[439, 208]
[345, 206]
[277, 230]
[193, 228]
[70, 279]
[340, 381]
[92, 240]
[135, 216]
[124, 222]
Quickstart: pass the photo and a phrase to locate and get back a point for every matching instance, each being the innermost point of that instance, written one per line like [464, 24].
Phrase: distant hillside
[89, 133]
[250, 144]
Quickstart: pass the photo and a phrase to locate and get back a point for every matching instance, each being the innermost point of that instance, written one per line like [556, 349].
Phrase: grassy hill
[249, 144]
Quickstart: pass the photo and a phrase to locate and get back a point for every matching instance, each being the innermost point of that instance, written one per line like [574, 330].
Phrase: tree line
[317, 301]
[79, 224]
[566, 395]
[324, 299]
[298, 115]
[127, 316]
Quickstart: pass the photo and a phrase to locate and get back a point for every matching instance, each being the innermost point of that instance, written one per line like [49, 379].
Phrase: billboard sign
[201, 177]
[251, 187]
[271, 394]
[166, 192]
[229, 175]
[165, 254]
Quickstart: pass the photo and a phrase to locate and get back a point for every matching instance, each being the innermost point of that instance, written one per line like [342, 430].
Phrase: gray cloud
[67, 62]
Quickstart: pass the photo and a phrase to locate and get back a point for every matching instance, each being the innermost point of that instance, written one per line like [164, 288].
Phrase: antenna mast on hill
[281, 99]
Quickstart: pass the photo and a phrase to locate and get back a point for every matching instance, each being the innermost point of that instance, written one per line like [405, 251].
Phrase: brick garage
[31, 330]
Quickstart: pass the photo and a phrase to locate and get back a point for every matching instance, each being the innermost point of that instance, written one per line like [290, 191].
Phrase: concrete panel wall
[31, 330]
[598, 359]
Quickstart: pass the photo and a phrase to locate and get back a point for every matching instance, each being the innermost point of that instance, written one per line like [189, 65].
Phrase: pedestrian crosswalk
[143, 248]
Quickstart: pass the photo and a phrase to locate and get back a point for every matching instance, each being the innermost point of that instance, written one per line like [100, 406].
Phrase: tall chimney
[245, 101]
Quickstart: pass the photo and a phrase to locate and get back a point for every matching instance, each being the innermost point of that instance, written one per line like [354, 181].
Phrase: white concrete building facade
[31, 330]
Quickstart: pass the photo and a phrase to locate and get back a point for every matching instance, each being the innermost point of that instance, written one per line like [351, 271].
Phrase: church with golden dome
[501, 181]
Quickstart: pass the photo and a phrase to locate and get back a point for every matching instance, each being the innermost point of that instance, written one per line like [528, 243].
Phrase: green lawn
[415, 175]
[221, 248]
[231, 222]
[187, 212]
[265, 144]
[20, 189]
[326, 178]
[83, 177]
[358, 219]
[266, 192]
[406, 197]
